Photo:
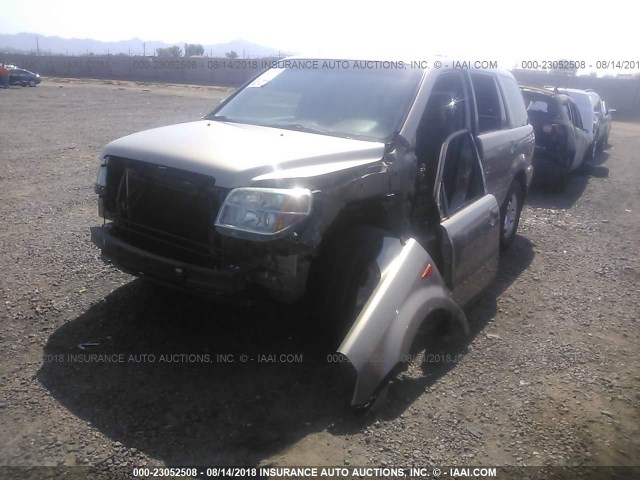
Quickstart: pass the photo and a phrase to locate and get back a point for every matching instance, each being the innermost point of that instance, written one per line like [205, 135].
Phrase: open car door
[470, 219]
[411, 286]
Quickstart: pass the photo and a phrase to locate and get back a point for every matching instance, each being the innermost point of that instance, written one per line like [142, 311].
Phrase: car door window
[575, 116]
[460, 175]
[567, 110]
[446, 112]
[489, 106]
[598, 107]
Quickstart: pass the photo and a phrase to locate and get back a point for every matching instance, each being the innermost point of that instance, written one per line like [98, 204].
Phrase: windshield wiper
[303, 128]
[219, 118]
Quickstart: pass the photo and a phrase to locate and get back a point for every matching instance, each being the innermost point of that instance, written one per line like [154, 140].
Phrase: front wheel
[510, 214]
[32, 83]
[345, 276]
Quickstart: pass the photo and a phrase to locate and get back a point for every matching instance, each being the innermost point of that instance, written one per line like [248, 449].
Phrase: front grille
[164, 210]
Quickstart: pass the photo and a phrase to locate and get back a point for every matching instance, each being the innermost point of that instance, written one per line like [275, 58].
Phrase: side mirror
[611, 110]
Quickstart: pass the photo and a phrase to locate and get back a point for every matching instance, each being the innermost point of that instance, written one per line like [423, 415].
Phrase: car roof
[576, 91]
[545, 91]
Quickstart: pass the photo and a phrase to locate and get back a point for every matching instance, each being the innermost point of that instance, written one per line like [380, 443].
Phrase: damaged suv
[383, 192]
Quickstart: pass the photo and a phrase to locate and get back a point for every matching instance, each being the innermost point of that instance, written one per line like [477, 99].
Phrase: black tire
[510, 214]
[32, 83]
[343, 272]
[600, 145]
[561, 181]
[590, 154]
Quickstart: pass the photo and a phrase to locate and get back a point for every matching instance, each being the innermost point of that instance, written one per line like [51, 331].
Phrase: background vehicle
[604, 125]
[589, 104]
[561, 139]
[20, 76]
[296, 182]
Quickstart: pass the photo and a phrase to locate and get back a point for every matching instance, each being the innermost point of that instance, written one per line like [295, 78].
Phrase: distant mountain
[27, 43]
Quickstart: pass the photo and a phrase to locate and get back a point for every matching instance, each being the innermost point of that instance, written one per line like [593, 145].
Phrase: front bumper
[186, 276]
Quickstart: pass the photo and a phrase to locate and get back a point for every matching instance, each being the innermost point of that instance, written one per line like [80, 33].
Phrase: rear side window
[575, 115]
[488, 103]
[516, 111]
[567, 111]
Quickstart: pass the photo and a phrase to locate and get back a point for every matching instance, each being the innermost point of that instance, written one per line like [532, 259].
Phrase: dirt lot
[549, 375]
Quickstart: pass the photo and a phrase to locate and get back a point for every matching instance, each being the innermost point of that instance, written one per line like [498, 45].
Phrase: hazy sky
[483, 29]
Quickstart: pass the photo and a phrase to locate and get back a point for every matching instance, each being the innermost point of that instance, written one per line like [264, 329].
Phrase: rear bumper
[138, 262]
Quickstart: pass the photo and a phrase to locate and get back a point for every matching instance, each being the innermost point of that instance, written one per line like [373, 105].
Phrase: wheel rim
[32, 83]
[510, 216]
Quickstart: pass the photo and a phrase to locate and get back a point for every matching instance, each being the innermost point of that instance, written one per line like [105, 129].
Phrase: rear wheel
[510, 214]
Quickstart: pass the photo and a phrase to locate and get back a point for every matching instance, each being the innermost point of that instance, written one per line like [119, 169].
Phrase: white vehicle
[589, 103]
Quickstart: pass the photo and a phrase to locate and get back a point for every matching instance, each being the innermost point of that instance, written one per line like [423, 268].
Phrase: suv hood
[239, 154]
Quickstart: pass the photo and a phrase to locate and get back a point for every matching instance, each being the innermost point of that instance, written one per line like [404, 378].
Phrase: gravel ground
[549, 375]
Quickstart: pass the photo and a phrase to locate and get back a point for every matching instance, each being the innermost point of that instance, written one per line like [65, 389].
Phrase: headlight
[262, 213]
[101, 182]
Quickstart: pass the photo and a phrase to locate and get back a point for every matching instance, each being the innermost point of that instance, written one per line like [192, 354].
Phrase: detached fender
[382, 335]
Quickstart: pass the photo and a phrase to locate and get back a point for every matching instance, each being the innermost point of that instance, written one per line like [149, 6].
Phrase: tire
[510, 214]
[590, 154]
[32, 83]
[344, 275]
[561, 181]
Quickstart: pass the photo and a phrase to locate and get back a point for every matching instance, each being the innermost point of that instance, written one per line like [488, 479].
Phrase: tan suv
[323, 182]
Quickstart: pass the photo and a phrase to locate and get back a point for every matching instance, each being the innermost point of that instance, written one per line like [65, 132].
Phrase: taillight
[552, 129]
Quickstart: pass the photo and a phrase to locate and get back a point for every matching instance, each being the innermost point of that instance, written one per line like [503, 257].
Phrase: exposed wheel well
[521, 178]
[364, 214]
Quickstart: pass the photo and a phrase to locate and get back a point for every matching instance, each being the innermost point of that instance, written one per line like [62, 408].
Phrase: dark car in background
[562, 142]
[20, 76]
[595, 117]
[604, 123]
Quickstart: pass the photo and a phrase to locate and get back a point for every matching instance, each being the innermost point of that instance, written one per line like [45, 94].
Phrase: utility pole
[144, 49]
[37, 47]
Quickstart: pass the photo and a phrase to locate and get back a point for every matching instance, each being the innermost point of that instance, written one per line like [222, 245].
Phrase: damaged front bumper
[141, 263]
[409, 290]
